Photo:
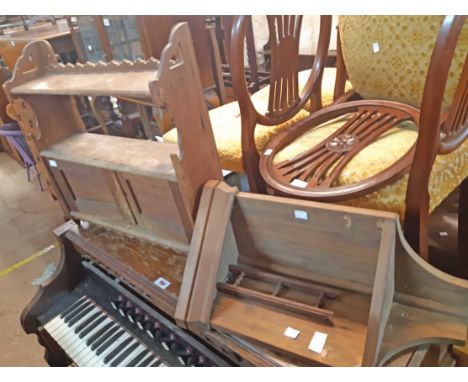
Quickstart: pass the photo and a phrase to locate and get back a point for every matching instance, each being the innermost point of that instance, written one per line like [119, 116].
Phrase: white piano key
[74, 350]
[154, 358]
[130, 344]
[132, 355]
[70, 336]
[85, 356]
[99, 360]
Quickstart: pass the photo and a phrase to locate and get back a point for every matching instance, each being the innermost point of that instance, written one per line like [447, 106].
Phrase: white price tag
[375, 47]
[52, 163]
[299, 183]
[106, 22]
[13, 43]
[291, 333]
[298, 214]
[443, 233]
[162, 283]
[318, 342]
[90, 48]
[268, 152]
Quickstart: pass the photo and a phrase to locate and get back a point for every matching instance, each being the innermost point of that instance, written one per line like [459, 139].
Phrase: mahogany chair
[242, 129]
[383, 154]
[256, 78]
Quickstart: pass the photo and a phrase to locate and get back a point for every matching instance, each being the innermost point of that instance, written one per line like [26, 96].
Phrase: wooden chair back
[285, 98]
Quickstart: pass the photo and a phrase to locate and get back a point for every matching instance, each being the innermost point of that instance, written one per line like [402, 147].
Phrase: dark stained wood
[367, 122]
[284, 98]
[429, 141]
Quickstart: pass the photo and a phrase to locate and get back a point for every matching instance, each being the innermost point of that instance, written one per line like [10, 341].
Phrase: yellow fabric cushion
[328, 85]
[447, 173]
[226, 122]
[227, 127]
[397, 72]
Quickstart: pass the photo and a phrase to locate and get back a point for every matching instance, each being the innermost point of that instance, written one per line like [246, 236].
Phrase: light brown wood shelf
[146, 158]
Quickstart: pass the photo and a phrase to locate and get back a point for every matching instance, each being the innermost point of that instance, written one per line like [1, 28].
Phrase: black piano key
[147, 361]
[92, 325]
[84, 324]
[138, 358]
[109, 342]
[124, 354]
[96, 336]
[73, 306]
[154, 364]
[73, 320]
[117, 350]
[74, 311]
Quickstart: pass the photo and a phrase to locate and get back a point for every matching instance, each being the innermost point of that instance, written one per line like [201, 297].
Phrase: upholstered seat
[447, 173]
[226, 122]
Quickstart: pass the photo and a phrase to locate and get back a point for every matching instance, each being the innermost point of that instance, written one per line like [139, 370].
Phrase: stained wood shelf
[145, 158]
[130, 84]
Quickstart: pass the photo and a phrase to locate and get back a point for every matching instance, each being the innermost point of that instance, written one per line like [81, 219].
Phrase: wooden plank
[311, 312]
[344, 345]
[157, 207]
[191, 267]
[286, 281]
[119, 154]
[132, 230]
[341, 242]
[382, 294]
[212, 250]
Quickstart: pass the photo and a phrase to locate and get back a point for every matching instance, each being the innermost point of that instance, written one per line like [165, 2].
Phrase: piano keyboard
[92, 338]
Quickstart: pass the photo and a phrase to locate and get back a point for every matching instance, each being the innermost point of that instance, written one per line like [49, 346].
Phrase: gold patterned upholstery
[328, 85]
[397, 72]
[226, 122]
[447, 173]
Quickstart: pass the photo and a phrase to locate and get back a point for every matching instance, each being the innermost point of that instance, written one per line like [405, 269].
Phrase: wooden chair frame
[371, 119]
[284, 98]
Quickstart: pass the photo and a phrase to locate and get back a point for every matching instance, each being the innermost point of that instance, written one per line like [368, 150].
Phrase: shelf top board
[134, 156]
[112, 83]
[44, 31]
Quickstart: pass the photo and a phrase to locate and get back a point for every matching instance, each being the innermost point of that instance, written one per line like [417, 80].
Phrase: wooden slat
[191, 267]
[278, 302]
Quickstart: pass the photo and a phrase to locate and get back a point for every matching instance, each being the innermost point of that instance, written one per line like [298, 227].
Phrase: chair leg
[27, 172]
[39, 178]
[463, 226]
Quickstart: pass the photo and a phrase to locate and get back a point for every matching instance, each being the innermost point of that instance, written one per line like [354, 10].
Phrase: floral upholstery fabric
[387, 57]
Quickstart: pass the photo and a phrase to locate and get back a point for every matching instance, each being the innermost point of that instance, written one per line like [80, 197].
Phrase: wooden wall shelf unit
[341, 271]
[142, 188]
